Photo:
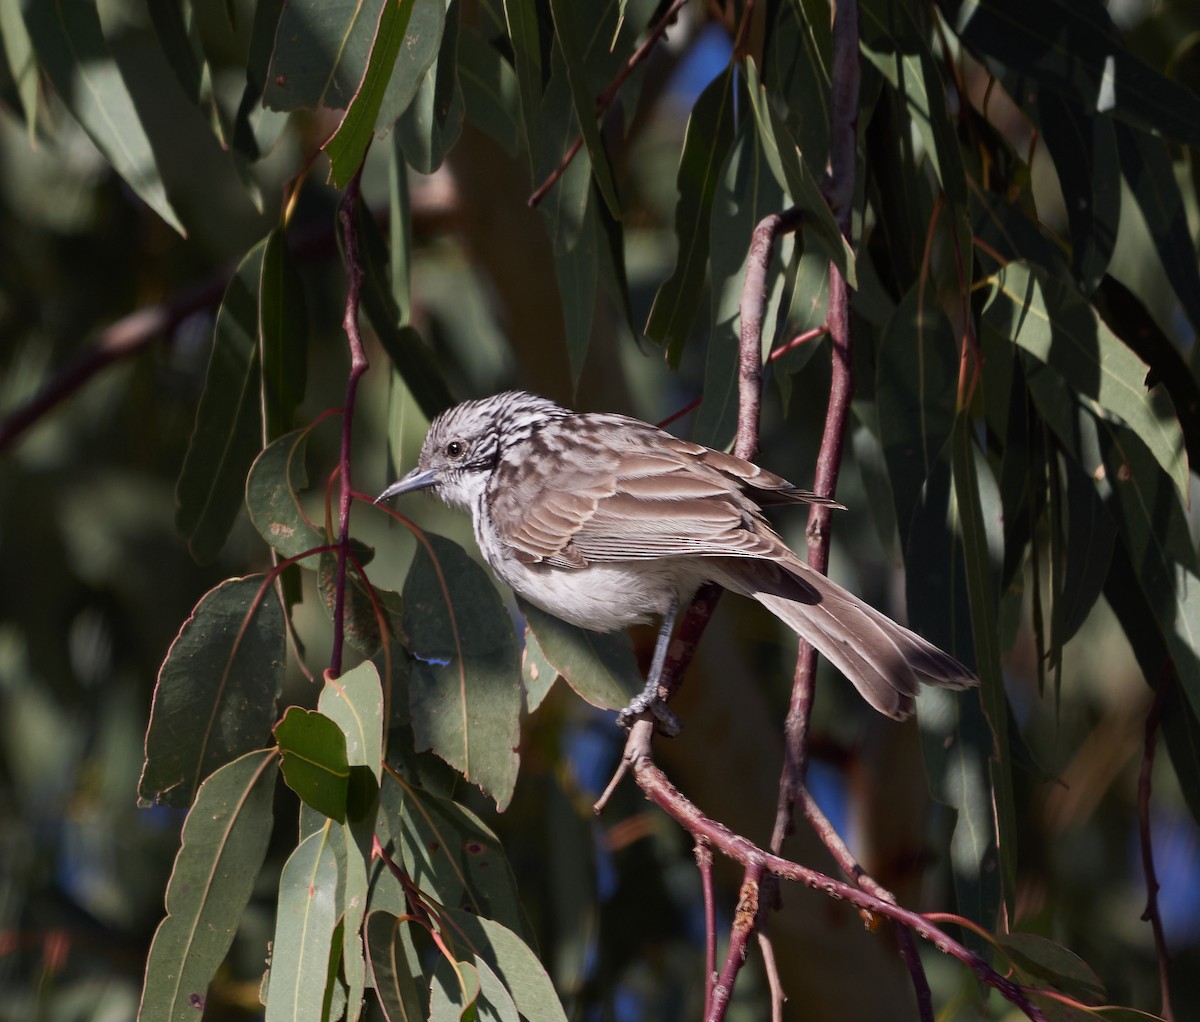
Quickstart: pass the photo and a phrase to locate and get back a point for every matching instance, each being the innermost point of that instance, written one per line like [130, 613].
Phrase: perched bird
[606, 521]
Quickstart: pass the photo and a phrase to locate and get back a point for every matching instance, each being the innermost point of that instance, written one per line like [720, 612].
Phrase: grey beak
[417, 479]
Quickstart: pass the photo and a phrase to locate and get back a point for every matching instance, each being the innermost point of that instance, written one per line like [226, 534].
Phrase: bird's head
[464, 444]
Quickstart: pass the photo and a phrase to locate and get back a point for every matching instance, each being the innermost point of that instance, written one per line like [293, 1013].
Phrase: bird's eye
[455, 449]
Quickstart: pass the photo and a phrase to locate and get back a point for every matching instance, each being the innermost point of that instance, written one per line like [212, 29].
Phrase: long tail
[884, 660]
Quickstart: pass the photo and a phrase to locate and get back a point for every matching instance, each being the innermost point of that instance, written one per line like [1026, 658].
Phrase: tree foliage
[982, 213]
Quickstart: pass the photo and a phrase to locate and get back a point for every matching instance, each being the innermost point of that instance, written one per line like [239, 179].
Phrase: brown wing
[573, 500]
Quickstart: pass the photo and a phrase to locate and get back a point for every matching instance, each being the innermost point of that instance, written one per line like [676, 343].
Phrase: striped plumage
[606, 521]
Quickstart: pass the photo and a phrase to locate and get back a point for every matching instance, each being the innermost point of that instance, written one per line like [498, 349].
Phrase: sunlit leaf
[304, 924]
[347, 147]
[416, 56]
[224, 842]
[273, 487]
[537, 673]
[313, 751]
[217, 690]
[432, 122]
[600, 667]
[354, 702]
[465, 690]
[453, 991]
[395, 971]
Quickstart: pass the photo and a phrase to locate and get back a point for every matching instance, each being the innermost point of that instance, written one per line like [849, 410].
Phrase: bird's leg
[648, 698]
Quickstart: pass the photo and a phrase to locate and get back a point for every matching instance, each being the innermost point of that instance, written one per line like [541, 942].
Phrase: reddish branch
[1145, 775]
[347, 214]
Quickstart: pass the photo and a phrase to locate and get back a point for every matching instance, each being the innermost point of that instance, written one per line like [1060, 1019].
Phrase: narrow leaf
[521, 17]
[273, 491]
[394, 968]
[433, 120]
[465, 691]
[354, 702]
[489, 90]
[216, 692]
[228, 431]
[305, 920]
[223, 846]
[283, 327]
[705, 145]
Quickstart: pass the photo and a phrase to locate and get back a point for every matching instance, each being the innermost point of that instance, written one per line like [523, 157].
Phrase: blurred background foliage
[138, 165]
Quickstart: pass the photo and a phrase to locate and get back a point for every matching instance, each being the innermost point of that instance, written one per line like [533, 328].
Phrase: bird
[606, 521]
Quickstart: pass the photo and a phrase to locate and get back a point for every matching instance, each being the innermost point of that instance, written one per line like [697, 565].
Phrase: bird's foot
[665, 722]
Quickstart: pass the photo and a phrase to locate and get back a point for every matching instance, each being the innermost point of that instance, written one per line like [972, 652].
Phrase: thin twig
[604, 100]
[1145, 776]
[704, 862]
[739, 935]
[347, 215]
[798, 341]
[741, 850]
[771, 968]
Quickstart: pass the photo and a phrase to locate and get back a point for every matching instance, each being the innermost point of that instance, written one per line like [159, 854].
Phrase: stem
[1145, 776]
[358, 366]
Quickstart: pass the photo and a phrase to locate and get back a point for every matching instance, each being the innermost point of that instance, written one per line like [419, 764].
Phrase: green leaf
[361, 619]
[915, 388]
[347, 146]
[448, 852]
[578, 273]
[569, 25]
[224, 843]
[465, 690]
[313, 749]
[706, 143]
[494, 999]
[982, 591]
[395, 969]
[1084, 148]
[431, 124]
[511, 959]
[566, 204]
[1090, 538]
[411, 357]
[273, 496]
[217, 690]
[416, 57]
[228, 431]
[1095, 69]
[746, 192]
[304, 923]
[70, 45]
[1055, 325]
[1147, 168]
[1039, 961]
[600, 667]
[283, 327]
[322, 49]
[521, 16]
[793, 174]
[354, 702]
[21, 61]
[453, 991]
[353, 866]
[489, 87]
[537, 673]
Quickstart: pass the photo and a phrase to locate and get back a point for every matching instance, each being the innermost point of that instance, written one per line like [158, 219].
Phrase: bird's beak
[417, 479]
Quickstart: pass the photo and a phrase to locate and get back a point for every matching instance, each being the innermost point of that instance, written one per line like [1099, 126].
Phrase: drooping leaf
[465, 692]
[228, 431]
[1096, 69]
[347, 146]
[537, 673]
[1084, 148]
[363, 620]
[395, 970]
[19, 56]
[521, 17]
[217, 690]
[70, 46]
[746, 192]
[1056, 326]
[1039, 960]
[705, 145]
[322, 48]
[223, 846]
[273, 491]
[420, 50]
[512, 960]
[283, 328]
[448, 852]
[304, 926]
[916, 383]
[313, 751]
[354, 702]
[600, 667]
[490, 92]
[570, 27]
[432, 122]
[453, 991]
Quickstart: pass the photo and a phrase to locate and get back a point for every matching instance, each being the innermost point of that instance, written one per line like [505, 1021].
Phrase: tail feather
[885, 661]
